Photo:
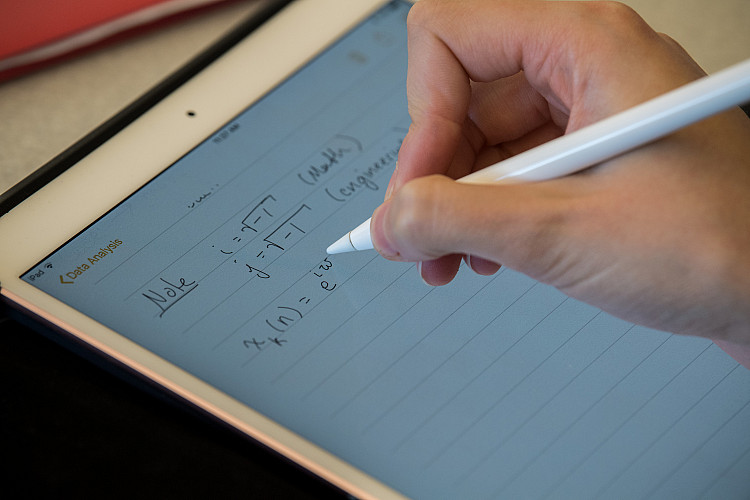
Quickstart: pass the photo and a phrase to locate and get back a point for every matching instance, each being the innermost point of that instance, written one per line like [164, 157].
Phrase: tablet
[190, 246]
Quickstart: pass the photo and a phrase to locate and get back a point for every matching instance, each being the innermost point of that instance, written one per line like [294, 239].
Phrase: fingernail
[419, 270]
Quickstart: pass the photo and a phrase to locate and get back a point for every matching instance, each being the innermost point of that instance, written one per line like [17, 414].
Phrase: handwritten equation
[164, 293]
[243, 250]
[289, 311]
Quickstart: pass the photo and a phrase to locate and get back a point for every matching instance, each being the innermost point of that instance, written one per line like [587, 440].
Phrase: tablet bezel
[115, 169]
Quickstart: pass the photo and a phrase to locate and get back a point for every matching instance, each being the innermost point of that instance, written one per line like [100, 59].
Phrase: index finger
[444, 58]
[578, 57]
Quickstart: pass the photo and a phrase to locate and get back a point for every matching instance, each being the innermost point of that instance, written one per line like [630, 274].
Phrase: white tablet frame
[112, 172]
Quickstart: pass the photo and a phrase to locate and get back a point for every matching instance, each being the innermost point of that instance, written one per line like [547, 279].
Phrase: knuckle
[616, 12]
[417, 214]
[430, 12]
[536, 238]
[419, 13]
[616, 18]
[607, 26]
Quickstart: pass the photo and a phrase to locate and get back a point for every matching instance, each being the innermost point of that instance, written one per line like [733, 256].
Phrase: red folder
[36, 32]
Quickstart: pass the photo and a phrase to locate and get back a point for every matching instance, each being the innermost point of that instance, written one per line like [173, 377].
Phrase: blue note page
[490, 387]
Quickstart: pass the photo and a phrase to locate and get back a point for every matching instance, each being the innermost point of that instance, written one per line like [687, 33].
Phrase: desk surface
[71, 428]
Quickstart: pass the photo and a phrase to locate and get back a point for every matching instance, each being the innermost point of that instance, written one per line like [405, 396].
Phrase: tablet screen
[491, 386]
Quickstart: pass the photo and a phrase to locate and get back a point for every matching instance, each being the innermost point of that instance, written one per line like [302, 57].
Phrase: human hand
[659, 236]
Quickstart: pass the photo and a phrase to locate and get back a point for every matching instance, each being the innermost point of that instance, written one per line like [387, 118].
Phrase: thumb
[431, 217]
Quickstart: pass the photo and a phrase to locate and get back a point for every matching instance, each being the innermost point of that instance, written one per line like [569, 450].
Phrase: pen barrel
[624, 131]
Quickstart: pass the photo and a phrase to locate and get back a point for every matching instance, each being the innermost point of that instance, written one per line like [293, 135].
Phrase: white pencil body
[605, 139]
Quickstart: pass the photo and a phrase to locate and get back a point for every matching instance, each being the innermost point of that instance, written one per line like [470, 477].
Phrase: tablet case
[40, 32]
[71, 428]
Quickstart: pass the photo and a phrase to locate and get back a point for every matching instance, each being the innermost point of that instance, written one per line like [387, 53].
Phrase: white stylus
[603, 140]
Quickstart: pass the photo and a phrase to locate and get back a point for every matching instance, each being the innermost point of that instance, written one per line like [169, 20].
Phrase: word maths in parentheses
[340, 149]
[168, 293]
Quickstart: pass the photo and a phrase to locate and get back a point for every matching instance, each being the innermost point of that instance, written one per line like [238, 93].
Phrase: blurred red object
[35, 33]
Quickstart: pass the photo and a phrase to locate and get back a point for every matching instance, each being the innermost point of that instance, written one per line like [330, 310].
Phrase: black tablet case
[75, 424]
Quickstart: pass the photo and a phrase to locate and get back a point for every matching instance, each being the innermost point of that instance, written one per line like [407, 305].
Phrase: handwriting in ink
[257, 272]
[169, 293]
[285, 316]
[279, 342]
[258, 344]
[286, 231]
[340, 148]
[254, 342]
[285, 319]
[324, 266]
[364, 178]
[257, 213]
[288, 315]
[203, 196]
[236, 239]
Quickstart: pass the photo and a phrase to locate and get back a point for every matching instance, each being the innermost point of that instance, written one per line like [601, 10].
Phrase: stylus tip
[341, 245]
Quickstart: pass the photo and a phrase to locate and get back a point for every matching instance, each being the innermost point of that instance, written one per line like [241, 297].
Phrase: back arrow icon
[63, 281]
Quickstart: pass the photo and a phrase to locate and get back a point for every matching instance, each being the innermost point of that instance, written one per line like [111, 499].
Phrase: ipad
[189, 248]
